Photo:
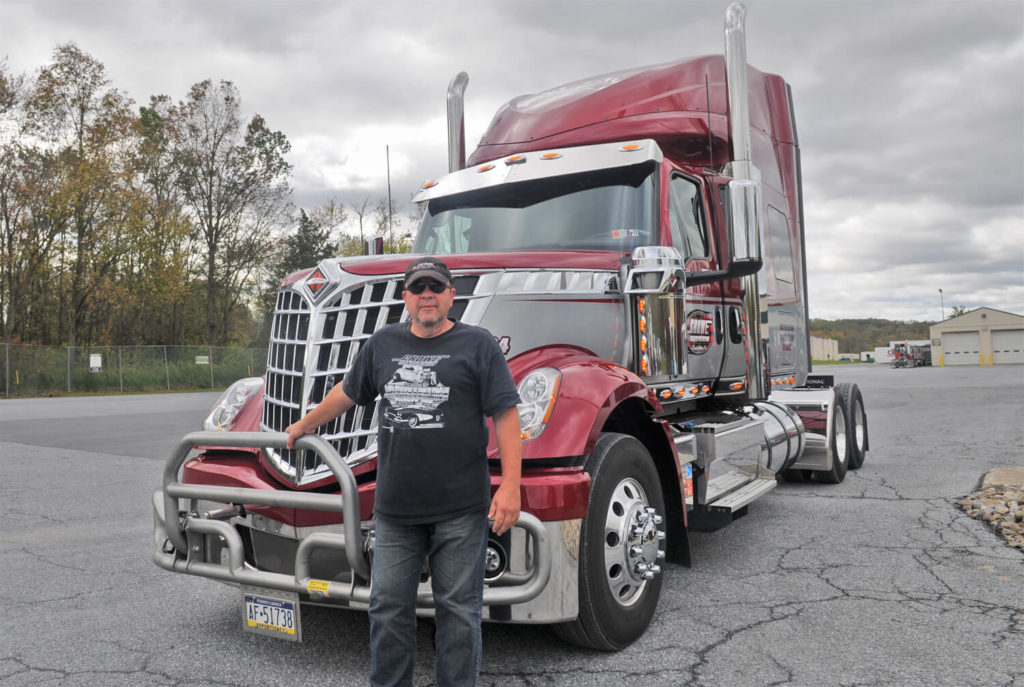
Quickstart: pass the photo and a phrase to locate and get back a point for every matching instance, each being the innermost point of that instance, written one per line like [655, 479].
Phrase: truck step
[721, 485]
[745, 495]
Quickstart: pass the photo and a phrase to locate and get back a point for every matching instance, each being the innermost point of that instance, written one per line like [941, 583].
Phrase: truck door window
[781, 247]
[687, 219]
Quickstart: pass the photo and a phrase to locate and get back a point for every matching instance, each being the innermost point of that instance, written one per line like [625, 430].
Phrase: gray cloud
[910, 113]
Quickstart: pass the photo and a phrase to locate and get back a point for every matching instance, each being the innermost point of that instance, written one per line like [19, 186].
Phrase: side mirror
[744, 235]
[745, 223]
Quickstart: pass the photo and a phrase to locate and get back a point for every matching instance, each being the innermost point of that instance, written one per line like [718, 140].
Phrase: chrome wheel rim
[632, 542]
[840, 424]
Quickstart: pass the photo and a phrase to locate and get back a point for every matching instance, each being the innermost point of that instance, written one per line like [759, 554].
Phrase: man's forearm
[336, 403]
[510, 445]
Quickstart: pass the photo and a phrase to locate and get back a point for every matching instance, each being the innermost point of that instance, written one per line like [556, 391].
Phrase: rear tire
[857, 427]
[622, 536]
[839, 446]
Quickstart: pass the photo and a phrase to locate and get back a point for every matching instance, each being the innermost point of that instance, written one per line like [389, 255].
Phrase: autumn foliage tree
[161, 224]
[233, 177]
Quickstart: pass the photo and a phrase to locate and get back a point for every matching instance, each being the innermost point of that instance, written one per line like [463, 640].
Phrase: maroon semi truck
[635, 243]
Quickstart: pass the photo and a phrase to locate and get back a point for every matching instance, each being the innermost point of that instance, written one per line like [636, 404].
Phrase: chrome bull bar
[235, 570]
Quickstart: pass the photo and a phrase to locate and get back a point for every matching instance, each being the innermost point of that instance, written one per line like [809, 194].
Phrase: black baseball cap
[429, 268]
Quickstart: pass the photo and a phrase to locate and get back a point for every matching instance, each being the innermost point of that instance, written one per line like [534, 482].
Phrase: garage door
[1008, 346]
[961, 348]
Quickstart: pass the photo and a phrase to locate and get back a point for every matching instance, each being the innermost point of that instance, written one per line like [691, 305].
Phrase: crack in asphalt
[938, 536]
[23, 669]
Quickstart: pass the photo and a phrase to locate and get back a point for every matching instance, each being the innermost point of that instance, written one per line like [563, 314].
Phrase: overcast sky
[910, 114]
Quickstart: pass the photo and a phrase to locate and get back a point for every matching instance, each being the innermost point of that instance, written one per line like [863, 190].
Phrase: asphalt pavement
[880, 580]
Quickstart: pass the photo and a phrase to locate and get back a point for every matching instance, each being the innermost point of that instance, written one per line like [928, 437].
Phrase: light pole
[942, 306]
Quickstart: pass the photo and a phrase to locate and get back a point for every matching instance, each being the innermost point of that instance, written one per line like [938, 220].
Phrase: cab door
[703, 325]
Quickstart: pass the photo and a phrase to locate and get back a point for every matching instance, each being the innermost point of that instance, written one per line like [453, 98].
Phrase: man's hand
[294, 432]
[505, 504]
[504, 508]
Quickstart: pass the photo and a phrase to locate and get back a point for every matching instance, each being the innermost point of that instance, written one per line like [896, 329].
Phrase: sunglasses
[416, 288]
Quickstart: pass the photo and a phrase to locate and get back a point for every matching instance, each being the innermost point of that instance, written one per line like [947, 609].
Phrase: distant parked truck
[908, 354]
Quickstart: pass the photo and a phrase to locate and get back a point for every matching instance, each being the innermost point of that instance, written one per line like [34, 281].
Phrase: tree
[153, 300]
[85, 126]
[331, 216]
[388, 223]
[363, 209]
[310, 244]
[959, 310]
[234, 182]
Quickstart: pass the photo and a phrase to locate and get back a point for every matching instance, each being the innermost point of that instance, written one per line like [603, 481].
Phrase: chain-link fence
[31, 370]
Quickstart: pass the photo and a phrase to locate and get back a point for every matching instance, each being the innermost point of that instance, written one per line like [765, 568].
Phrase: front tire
[621, 547]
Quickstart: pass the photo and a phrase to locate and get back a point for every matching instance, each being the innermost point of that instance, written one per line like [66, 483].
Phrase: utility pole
[391, 230]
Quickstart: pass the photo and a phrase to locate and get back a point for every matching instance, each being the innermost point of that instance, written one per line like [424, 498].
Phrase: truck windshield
[613, 209]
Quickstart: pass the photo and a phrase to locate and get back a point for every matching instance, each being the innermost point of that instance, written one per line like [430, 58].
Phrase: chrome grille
[312, 348]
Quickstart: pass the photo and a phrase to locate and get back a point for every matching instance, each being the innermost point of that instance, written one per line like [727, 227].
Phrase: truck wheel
[857, 427]
[840, 446]
[620, 547]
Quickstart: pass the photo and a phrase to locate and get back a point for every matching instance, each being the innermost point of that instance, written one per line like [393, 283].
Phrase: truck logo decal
[699, 331]
[317, 284]
[504, 343]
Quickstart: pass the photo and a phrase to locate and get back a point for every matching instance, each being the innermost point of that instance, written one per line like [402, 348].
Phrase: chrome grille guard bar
[165, 503]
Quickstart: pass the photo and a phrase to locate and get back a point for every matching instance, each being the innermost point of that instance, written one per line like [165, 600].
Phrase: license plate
[271, 613]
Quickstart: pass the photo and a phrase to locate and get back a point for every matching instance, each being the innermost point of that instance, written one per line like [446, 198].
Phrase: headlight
[225, 410]
[538, 391]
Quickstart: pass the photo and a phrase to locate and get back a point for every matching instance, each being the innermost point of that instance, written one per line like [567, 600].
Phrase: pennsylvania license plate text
[270, 614]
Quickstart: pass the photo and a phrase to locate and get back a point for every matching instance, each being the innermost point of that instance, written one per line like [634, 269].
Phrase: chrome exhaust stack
[456, 122]
[745, 193]
[736, 79]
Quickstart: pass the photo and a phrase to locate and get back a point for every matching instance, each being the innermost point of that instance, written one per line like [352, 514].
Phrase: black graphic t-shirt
[435, 394]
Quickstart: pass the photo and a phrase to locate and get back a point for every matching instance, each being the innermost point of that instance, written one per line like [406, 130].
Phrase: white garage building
[980, 337]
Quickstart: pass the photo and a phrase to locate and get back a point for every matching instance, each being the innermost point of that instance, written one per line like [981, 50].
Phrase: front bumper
[207, 531]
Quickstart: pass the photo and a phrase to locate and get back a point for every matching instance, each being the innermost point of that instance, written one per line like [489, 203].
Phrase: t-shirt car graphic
[414, 397]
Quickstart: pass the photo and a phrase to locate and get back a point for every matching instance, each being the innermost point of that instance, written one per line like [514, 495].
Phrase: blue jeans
[454, 550]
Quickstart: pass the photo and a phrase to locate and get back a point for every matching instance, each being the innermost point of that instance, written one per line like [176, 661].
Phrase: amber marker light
[550, 156]
[485, 168]
[630, 148]
[515, 160]
[736, 386]
[551, 403]
[429, 184]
